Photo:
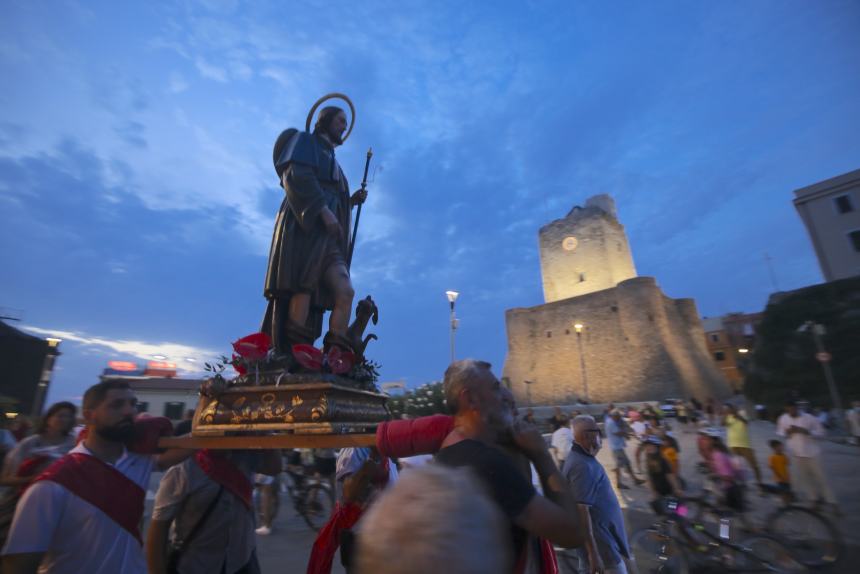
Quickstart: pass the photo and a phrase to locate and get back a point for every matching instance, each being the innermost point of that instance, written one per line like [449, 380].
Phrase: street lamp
[823, 357]
[452, 298]
[528, 385]
[578, 327]
[45, 378]
[743, 351]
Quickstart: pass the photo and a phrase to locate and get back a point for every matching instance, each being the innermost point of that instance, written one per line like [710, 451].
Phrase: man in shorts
[616, 435]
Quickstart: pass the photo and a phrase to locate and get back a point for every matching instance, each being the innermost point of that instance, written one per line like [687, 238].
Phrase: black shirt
[658, 472]
[505, 484]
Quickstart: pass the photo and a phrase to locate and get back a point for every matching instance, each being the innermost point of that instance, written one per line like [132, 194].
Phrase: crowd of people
[74, 502]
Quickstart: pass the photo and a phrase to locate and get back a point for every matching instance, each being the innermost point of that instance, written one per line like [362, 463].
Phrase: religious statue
[285, 383]
[310, 256]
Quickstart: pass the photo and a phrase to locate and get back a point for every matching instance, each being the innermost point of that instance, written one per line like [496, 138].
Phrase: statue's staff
[358, 212]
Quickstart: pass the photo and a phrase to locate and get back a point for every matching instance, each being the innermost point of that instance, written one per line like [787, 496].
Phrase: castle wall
[637, 344]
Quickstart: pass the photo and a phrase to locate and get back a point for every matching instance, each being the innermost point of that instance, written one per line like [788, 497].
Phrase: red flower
[308, 357]
[339, 362]
[254, 347]
[237, 363]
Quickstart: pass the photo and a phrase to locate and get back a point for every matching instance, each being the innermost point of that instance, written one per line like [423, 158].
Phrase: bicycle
[814, 540]
[677, 545]
[312, 497]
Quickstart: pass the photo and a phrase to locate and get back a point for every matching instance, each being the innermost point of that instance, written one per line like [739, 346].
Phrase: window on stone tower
[715, 338]
[581, 277]
[719, 356]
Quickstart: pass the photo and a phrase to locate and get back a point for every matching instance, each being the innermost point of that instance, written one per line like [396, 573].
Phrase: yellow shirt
[737, 434]
[779, 465]
[671, 456]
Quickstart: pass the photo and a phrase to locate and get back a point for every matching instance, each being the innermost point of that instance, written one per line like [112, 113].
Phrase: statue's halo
[331, 96]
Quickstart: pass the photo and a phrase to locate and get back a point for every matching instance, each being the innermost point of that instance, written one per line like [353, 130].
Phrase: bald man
[606, 548]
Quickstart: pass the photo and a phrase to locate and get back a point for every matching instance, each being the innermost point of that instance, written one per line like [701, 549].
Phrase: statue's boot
[292, 333]
[341, 342]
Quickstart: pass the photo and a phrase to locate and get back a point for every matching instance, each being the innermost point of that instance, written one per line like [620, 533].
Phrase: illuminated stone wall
[637, 343]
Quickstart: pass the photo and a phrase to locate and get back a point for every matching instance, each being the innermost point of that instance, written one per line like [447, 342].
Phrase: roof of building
[712, 324]
[156, 383]
[826, 187]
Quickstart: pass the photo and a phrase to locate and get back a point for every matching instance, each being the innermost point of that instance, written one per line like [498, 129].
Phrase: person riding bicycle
[728, 476]
[661, 478]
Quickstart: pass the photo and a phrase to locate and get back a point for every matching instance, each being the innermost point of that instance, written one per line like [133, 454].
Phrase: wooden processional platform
[270, 441]
[286, 411]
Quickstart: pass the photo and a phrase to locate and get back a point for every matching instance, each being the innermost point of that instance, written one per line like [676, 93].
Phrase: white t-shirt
[562, 440]
[75, 535]
[799, 444]
[639, 428]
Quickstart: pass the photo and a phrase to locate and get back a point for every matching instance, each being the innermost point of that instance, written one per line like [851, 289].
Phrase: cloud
[210, 71]
[177, 353]
[177, 83]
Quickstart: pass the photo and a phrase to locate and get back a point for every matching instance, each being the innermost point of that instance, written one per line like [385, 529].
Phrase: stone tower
[585, 251]
[604, 334]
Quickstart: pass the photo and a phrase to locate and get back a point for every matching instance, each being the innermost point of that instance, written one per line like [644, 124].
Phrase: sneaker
[264, 531]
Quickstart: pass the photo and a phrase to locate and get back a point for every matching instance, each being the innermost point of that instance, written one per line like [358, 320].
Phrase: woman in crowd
[31, 456]
[727, 475]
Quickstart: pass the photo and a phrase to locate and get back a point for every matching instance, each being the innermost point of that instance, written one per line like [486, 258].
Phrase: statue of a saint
[308, 270]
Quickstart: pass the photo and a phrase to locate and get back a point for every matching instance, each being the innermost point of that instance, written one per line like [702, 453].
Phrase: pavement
[286, 550]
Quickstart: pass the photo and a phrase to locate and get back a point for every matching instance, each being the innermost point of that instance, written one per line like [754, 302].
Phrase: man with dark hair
[308, 271]
[483, 420]
[83, 513]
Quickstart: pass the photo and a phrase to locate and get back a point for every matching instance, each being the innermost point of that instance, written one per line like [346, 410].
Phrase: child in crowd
[669, 449]
[661, 478]
[778, 463]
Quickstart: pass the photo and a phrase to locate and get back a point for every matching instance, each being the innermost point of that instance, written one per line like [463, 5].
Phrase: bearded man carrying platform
[308, 271]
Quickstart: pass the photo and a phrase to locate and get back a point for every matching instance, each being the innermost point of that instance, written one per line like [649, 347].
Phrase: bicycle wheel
[814, 540]
[764, 554]
[318, 505]
[657, 553]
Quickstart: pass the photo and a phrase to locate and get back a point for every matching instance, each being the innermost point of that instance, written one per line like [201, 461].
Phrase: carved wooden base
[301, 404]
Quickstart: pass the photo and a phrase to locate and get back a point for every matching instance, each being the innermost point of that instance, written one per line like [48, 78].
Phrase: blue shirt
[590, 486]
[611, 427]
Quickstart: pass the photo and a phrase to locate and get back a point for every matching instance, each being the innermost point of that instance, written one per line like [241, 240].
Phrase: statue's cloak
[301, 249]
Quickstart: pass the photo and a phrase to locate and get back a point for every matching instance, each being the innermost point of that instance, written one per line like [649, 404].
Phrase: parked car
[669, 407]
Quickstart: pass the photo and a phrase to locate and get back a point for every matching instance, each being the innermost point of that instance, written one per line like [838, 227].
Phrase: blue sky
[137, 194]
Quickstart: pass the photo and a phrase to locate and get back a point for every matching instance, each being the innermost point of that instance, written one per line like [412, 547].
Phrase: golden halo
[332, 96]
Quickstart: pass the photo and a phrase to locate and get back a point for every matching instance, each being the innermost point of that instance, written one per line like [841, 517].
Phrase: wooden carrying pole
[269, 441]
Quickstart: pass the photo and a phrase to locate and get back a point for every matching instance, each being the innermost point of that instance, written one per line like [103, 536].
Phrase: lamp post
[452, 298]
[528, 385]
[53, 352]
[823, 357]
[578, 327]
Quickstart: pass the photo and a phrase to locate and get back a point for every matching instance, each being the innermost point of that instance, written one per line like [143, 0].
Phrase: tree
[784, 363]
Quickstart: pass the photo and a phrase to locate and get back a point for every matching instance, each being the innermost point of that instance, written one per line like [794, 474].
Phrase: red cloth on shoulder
[224, 471]
[343, 518]
[404, 438]
[103, 486]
